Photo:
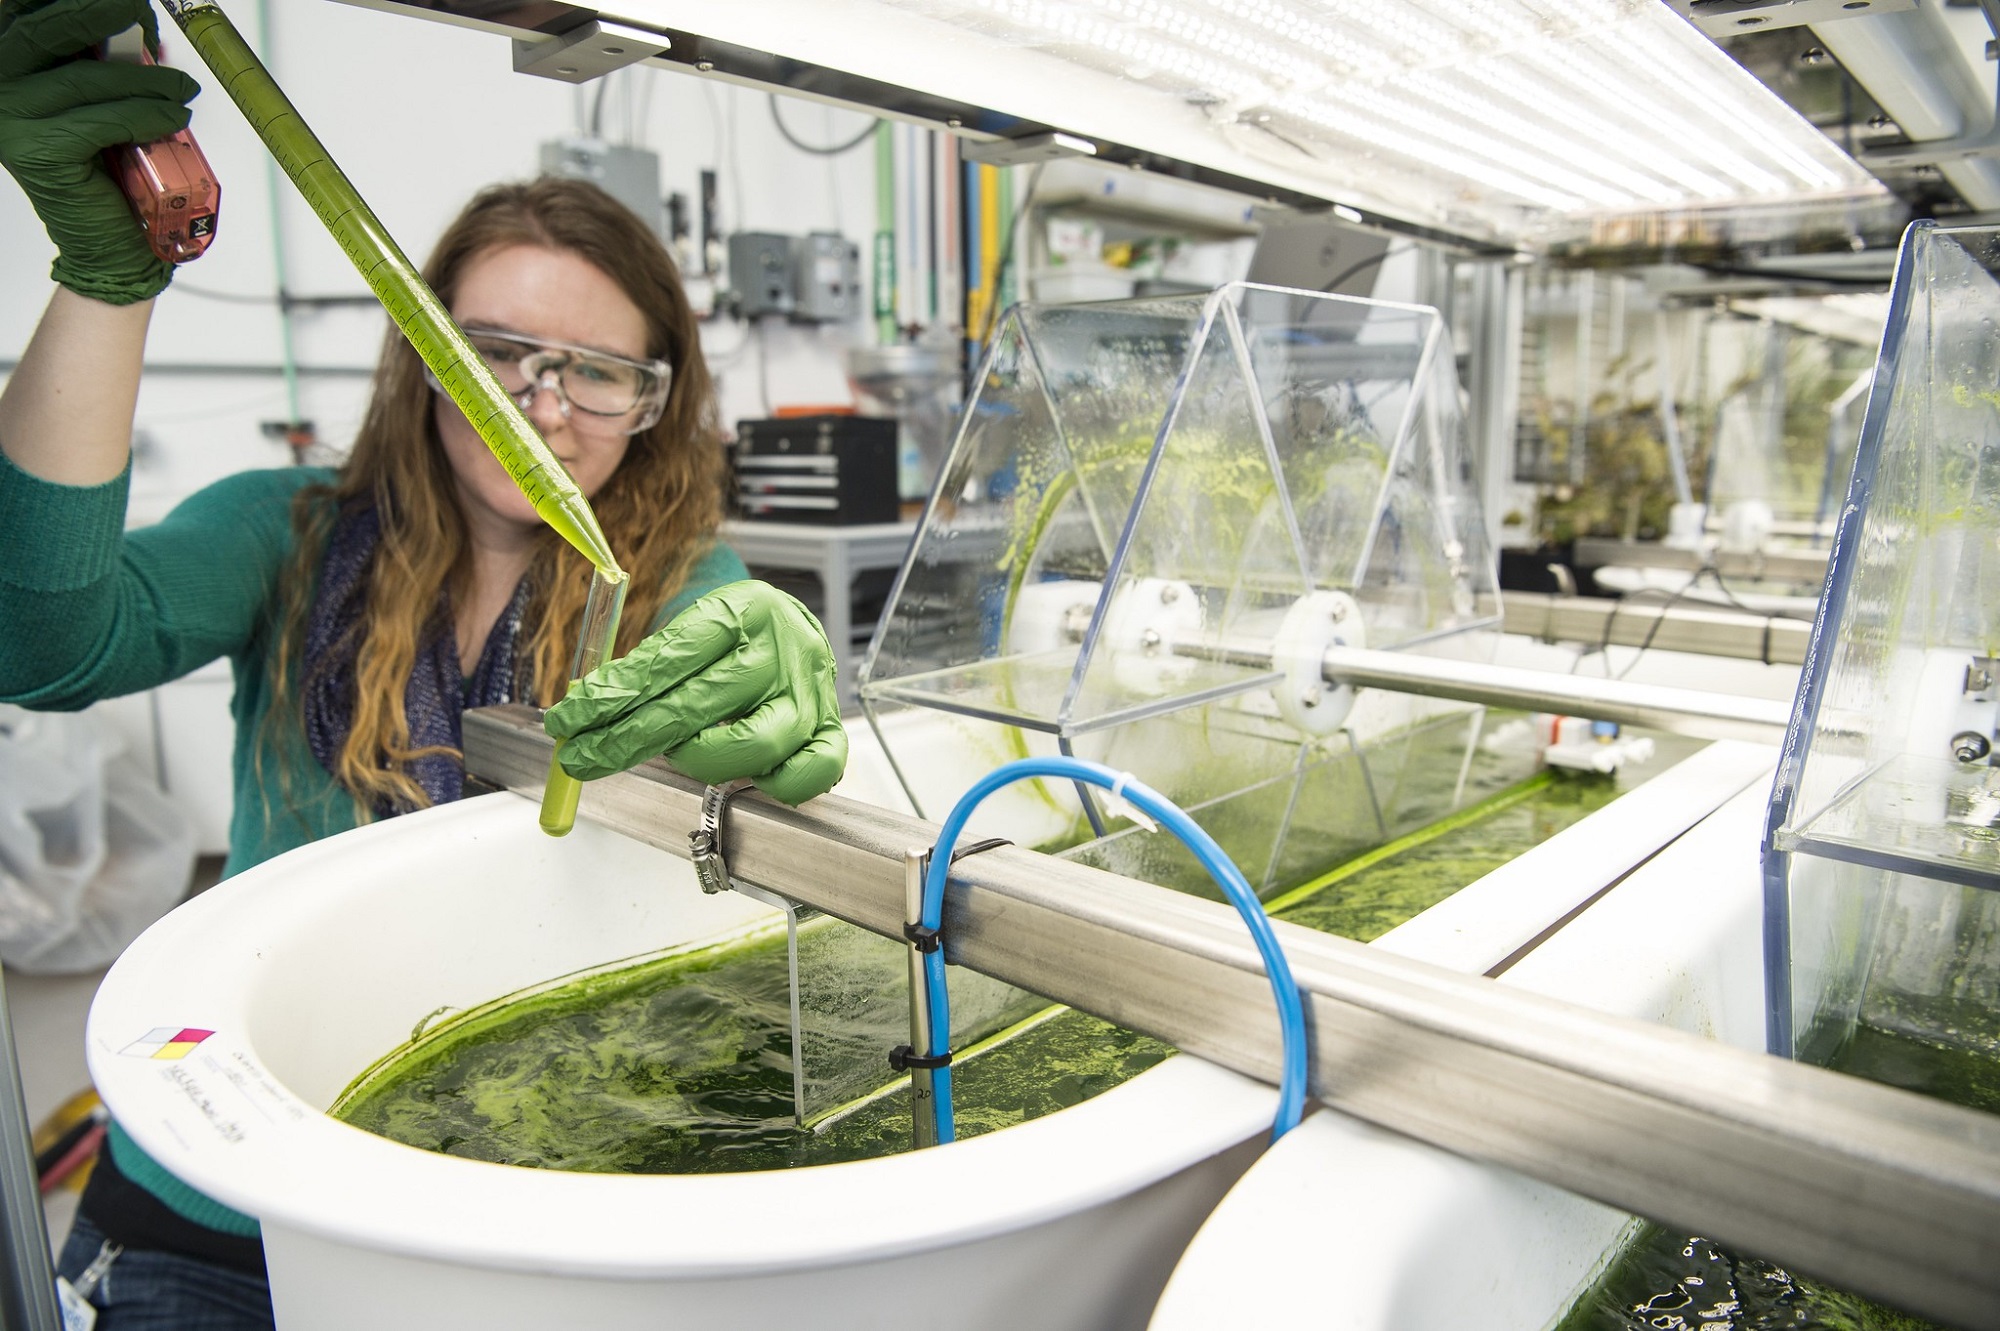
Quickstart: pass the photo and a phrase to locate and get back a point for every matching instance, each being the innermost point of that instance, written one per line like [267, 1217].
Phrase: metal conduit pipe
[1678, 711]
[1654, 706]
[1910, 64]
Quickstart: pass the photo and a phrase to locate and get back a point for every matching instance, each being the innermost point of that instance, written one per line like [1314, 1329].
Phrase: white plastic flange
[1316, 621]
[1147, 617]
[1045, 613]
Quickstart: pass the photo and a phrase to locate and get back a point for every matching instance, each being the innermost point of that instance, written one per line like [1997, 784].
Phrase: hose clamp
[705, 842]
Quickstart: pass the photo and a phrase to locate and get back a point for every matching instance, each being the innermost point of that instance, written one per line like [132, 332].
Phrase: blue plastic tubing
[1291, 1010]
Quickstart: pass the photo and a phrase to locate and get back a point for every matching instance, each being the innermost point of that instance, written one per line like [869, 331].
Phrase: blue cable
[1291, 1010]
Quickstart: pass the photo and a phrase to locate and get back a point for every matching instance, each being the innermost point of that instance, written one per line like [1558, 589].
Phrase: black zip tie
[979, 847]
[904, 1057]
[930, 940]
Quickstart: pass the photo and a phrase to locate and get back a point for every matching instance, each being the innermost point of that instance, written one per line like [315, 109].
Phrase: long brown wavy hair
[660, 509]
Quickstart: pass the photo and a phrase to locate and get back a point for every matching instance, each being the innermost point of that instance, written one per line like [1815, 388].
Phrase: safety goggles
[622, 395]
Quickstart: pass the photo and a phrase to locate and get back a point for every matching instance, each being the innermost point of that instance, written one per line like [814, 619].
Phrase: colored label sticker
[166, 1042]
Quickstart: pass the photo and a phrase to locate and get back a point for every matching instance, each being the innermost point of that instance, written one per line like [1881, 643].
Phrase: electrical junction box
[808, 279]
[760, 273]
[629, 175]
[828, 269]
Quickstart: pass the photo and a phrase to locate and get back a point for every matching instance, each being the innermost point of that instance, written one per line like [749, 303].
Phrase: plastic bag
[91, 852]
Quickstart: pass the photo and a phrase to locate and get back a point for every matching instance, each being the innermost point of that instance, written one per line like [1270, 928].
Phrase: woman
[362, 609]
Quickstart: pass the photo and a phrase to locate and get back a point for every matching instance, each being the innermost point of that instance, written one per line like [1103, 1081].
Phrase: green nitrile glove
[739, 684]
[59, 109]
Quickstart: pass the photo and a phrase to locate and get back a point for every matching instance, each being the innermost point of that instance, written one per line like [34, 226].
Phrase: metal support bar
[1631, 623]
[27, 1285]
[1807, 566]
[1893, 1195]
[1677, 711]
[590, 50]
[1654, 706]
[1936, 152]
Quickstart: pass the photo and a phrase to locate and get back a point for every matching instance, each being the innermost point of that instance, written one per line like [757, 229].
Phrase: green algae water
[1377, 891]
[682, 1064]
[1667, 1281]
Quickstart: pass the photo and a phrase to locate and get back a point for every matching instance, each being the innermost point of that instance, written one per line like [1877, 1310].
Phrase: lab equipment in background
[629, 175]
[1576, 743]
[760, 273]
[1648, 410]
[173, 191]
[1158, 516]
[814, 278]
[1085, 230]
[837, 470]
[1882, 865]
[711, 227]
[918, 387]
[828, 278]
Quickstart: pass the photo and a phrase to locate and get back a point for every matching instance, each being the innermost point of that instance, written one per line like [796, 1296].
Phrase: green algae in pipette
[393, 278]
[595, 645]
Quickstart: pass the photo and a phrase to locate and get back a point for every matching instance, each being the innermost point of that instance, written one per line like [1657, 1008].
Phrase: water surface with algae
[1667, 1280]
[682, 1064]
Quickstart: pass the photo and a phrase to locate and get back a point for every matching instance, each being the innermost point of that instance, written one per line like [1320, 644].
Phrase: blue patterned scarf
[438, 692]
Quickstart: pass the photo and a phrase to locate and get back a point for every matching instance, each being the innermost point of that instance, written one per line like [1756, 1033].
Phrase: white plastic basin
[1364, 1230]
[308, 968]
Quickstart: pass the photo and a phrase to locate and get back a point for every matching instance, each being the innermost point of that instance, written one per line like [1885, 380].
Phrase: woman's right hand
[59, 110]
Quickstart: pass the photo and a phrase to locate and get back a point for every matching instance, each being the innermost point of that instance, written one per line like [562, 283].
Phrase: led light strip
[1567, 106]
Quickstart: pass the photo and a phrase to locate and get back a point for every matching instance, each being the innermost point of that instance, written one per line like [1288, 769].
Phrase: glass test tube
[595, 645]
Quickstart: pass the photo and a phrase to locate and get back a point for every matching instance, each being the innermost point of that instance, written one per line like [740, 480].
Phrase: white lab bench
[837, 556]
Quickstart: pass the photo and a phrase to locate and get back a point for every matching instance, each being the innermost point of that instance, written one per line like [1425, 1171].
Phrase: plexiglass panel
[1157, 514]
[1881, 916]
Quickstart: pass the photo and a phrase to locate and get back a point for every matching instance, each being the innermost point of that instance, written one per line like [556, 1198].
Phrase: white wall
[420, 115]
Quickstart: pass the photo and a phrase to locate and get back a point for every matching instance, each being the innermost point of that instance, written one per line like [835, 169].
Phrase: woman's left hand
[741, 683]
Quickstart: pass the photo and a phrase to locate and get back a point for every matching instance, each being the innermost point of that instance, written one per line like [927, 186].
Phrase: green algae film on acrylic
[682, 1064]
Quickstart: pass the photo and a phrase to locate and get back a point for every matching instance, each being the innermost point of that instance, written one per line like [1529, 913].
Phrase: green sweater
[88, 611]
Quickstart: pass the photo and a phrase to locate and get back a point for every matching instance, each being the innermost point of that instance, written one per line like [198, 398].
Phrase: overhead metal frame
[538, 20]
[1891, 1194]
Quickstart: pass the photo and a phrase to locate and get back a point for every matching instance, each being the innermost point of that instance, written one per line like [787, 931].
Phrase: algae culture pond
[683, 1063]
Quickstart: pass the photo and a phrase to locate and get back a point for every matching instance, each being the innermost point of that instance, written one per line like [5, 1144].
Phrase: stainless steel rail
[1889, 1193]
[1678, 711]
[27, 1280]
[1656, 706]
[1681, 628]
[1805, 566]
